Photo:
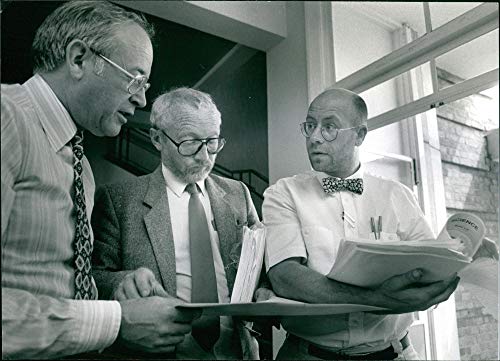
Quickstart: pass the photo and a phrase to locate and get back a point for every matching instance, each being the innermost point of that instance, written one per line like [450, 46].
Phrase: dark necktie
[334, 184]
[205, 330]
[84, 289]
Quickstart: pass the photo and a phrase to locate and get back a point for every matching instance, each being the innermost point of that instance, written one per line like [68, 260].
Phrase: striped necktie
[84, 288]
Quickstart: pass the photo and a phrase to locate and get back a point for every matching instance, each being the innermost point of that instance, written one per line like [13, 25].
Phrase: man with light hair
[92, 63]
[180, 226]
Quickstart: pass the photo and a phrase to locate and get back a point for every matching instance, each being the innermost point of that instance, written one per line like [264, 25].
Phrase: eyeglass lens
[191, 147]
[137, 84]
[328, 131]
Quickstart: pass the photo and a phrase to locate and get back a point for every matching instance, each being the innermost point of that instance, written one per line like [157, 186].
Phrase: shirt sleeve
[283, 233]
[11, 152]
[45, 327]
[412, 225]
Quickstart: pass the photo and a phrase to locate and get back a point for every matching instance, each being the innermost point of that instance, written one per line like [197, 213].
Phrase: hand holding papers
[366, 263]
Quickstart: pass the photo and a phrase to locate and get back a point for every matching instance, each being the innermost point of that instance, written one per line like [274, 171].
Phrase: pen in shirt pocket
[372, 224]
[379, 226]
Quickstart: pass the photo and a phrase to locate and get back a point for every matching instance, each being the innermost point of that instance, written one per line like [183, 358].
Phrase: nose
[139, 98]
[316, 136]
[203, 153]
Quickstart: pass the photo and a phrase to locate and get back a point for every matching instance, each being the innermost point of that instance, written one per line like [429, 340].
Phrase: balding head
[335, 128]
[348, 106]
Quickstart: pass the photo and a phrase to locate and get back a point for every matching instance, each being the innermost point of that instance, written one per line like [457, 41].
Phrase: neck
[344, 173]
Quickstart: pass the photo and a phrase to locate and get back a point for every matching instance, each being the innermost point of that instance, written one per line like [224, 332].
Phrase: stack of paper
[369, 263]
[250, 265]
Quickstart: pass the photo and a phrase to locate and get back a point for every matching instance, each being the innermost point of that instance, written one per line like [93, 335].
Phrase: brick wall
[471, 184]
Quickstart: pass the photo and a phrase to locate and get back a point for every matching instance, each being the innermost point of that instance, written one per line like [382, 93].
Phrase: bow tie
[334, 184]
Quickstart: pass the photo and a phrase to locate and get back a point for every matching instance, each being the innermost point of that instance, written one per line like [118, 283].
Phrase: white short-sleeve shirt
[303, 221]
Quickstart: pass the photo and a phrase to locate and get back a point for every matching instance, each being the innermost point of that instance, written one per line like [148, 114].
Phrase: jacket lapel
[227, 225]
[159, 229]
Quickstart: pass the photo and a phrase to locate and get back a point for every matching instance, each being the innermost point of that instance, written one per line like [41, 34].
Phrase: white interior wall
[287, 98]
[358, 41]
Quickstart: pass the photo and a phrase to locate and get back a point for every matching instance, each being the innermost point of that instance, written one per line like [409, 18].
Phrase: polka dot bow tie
[333, 184]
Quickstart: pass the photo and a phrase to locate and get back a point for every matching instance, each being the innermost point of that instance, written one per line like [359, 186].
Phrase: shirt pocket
[386, 237]
[322, 246]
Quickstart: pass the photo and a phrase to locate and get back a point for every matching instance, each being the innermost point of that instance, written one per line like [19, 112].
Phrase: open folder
[246, 282]
[367, 263]
[277, 306]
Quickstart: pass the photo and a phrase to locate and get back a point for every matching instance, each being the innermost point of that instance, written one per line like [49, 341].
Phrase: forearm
[290, 279]
[45, 327]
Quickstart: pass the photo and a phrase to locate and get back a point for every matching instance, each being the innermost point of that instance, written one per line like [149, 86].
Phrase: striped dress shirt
[40, 318]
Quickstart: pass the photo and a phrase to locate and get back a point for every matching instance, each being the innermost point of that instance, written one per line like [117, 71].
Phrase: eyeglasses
[192, 146]
[137, 83]
[328, 131]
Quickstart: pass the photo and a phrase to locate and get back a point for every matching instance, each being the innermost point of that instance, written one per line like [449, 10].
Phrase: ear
[78, 57]
[361, 135]
[154, 134]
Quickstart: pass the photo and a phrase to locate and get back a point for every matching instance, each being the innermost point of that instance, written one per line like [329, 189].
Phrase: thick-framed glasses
[137, 82]
[192, 146]
[328, 131]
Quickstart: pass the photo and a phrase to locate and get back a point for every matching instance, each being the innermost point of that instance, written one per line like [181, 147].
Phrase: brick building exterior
[471, 184]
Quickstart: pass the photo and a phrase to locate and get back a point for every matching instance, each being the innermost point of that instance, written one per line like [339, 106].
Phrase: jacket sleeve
[107, 254]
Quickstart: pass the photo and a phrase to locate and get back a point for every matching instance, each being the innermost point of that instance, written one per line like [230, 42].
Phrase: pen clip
[374, 229]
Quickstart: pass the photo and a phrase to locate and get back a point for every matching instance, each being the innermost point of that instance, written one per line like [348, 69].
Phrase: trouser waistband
[386, 354]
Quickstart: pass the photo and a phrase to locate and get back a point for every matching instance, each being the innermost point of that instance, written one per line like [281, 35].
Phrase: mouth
[317, 152]
[125, 116]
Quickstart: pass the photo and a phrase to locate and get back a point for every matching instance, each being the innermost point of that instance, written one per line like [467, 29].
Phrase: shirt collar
[358, 174]
[55, 119]
[178, 186]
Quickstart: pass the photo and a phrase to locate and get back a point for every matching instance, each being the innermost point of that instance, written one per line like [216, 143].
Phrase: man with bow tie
[307, 216]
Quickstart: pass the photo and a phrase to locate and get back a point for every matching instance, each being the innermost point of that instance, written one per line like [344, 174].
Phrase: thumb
[403, 280]
[158, 290]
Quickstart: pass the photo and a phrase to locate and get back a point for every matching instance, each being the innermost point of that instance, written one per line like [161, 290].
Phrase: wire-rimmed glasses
[138, 82]
[192, 146]
[328, 131]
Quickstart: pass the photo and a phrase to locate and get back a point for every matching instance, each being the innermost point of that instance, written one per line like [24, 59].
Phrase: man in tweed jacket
[141, 226]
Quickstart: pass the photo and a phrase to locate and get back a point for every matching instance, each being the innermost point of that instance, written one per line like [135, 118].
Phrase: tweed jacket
[132, 229]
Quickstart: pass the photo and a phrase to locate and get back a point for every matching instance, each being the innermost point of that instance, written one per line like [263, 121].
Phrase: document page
[368, 263]
[277, 306]
[250, 265]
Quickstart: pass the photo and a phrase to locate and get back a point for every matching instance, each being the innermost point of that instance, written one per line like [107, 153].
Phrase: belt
[386, 354]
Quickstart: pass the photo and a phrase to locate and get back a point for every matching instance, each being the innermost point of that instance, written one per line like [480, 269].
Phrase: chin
[196, 176]
[112, 131]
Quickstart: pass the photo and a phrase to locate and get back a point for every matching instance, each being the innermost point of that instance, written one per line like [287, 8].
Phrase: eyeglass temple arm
[116, 66]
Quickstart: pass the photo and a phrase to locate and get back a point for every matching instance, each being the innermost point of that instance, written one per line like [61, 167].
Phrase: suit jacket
[131, 223]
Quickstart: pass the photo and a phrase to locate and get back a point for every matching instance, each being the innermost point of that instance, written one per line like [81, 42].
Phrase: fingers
[143, 279]
[137, 284]
[129, 287]
[403, 280]
[119, 295]
[444, 295]
[157, 289]
[263, 294]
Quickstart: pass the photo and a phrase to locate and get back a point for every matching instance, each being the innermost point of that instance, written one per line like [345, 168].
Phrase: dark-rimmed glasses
[192, 146]
[328, 131]
[138, 82]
